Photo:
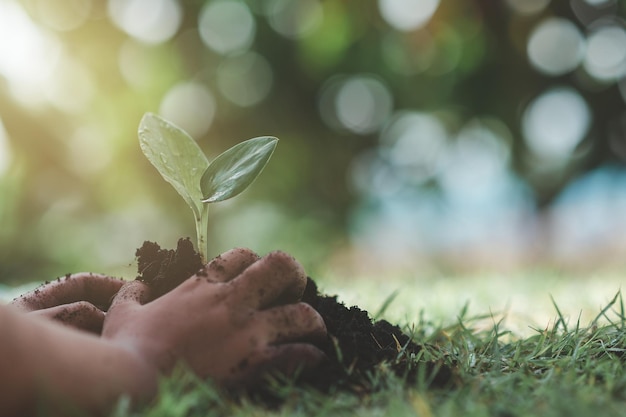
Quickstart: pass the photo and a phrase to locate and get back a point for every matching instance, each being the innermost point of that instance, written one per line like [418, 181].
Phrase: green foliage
[176, 156]
[561, 370]
[181, 162]
[234, 170]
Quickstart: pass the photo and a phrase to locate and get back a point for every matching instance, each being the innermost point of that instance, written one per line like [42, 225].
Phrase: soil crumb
[162, 269]
[356, 345]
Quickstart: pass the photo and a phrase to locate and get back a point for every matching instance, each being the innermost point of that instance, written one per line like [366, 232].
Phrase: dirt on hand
[356, 345]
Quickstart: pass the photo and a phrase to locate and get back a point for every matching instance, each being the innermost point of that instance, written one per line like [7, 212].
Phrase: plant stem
[202, 231]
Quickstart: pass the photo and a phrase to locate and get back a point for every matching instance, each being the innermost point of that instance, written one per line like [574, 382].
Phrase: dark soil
[356, 345]
[163, 269]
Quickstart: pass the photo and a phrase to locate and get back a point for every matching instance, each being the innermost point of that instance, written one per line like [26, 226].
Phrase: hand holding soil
[77, 300]
[233, 321]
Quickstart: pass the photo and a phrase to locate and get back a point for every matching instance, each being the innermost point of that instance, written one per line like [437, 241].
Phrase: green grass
[564, 369]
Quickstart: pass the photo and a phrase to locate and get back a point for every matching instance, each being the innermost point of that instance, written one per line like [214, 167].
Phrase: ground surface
[543, 342]
[566, 369]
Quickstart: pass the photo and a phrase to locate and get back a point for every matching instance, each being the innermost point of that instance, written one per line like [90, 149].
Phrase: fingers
[81, 315]
[133, 293]
[275, 279]
[290, 323]
[228, 265]
[96, 289]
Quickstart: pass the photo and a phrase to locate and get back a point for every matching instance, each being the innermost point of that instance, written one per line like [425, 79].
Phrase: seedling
[181, 162]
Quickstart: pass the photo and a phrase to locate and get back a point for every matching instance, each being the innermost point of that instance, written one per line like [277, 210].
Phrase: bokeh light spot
[592, 12]
[449, 51]
[71, 87]
[556, 46]
[18, 34]
[409, 57]
[476, 163]
[415, 144]
[295, 18]
[150, 21]
[226, 26]
[606, 53]
[190, 106]
[136, 63]
[90, 144]
[585, 216]
[554, 123]
[245, 79]
[363, 104]
[63, 15]
[598, 2]
[407, 15]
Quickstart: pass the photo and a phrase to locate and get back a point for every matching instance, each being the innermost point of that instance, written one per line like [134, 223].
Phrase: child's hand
[78, 300]
[234, 321]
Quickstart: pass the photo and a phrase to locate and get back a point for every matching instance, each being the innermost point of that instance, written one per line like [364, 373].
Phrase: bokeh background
[447, 135]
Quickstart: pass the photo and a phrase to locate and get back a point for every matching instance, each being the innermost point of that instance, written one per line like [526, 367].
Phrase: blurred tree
[327, 77]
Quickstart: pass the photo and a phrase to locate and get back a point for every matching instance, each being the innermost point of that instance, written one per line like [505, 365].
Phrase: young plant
[181, 162]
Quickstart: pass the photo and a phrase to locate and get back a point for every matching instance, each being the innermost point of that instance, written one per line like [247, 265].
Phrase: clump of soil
[163, 269]
[355, 346]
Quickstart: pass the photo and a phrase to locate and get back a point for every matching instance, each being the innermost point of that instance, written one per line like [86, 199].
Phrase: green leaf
[176, 156]
[234, 170]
